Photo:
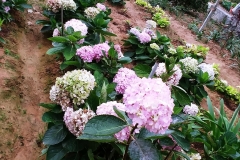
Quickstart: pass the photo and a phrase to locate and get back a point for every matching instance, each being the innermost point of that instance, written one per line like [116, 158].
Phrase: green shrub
[198, 5]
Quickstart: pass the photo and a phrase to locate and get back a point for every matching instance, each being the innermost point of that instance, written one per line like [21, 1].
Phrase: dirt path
[25, 84]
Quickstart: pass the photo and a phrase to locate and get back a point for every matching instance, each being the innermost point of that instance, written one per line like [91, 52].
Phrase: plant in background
[160, 17]
[118, 2]
[214, 35]
[218, 134]
[7, 5]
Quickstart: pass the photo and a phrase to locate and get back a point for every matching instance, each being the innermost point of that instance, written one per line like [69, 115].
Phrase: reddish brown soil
[25, 79]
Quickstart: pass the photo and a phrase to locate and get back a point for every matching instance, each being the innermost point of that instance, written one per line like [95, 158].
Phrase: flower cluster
[191, 109]
[190, 65]
[101, 7]
[173, 79]
[151, 24]
[107, 109]
[91, 12]
[55, 5]
[123, 78]
[118, 50]
[76, 120]
[207, 68]
[192, 156]
[155, 46]
[61, 97]
[73, 88]
[144, 109]
[90, 53]
[76, 24]
[145, 36]
[172, 51]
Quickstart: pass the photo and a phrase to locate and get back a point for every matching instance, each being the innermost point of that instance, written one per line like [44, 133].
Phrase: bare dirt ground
[27, 74]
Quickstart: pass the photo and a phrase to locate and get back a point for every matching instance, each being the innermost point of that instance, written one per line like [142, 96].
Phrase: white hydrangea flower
[191, 109]
[224, 82]
[75, 86]
[55, 5]
[172, 51]
[190, 65]
[91, 12]
[150, 24]
[195, 156]
[207, 68]
[154, 46]
[76, 120]
[77, 25]
[173, 79]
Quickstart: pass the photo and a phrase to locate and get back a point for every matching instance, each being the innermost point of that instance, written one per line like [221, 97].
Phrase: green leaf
[55, 50]
[183, 143]
[73, 145]
[142, 70]
[128, 54]
[59, 39]
[124, 60]
[103, 97]
[181, 96]
[26, 6]
[122, 115]
[94, 67]
[65, 64]
[95, 138]
[210, 108]
[140, 149]
[104, 125]
[56, 152]
[2, 40]
[69, 52]
[145, 134]
[54, 135]
[234, 118]
[178, 118]
[140, 50]
[90, 154]
[51, 117]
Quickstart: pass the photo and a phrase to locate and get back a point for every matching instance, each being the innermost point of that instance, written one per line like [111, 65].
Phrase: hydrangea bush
[103, 110]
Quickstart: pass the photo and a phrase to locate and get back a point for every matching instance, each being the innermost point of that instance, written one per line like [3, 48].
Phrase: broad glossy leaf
[142, 70]
[55, 135]
[69, 52]
[145, 134]
[56, 152]
[51, 117]
[103, 125]
[182, 142]
[140, 149]
[55, 50]
[95, 138]
[181, 96]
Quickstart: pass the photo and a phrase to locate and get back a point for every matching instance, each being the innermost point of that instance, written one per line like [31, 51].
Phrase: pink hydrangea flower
[99, 49]
[6, 9]
[86, 53]
[107, 109]
[191, 109]
[3, 1]
[134, 31]
[173, 79]
[144, 37]
[77, 25]
[76, 120]
[56, 32]
[118, 49]
[101, 7]
[123, 78]
[149, 104]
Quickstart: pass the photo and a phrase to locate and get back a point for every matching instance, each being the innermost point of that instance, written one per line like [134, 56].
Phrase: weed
[9, 53]
[9, 143]
[2, 117]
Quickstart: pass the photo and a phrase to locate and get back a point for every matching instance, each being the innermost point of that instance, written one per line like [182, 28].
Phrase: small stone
[30, 11]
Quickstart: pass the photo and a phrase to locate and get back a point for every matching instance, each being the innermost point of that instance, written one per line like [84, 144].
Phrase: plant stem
[129, 141]
[62, 19]
[153, 70]
[170, 152]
